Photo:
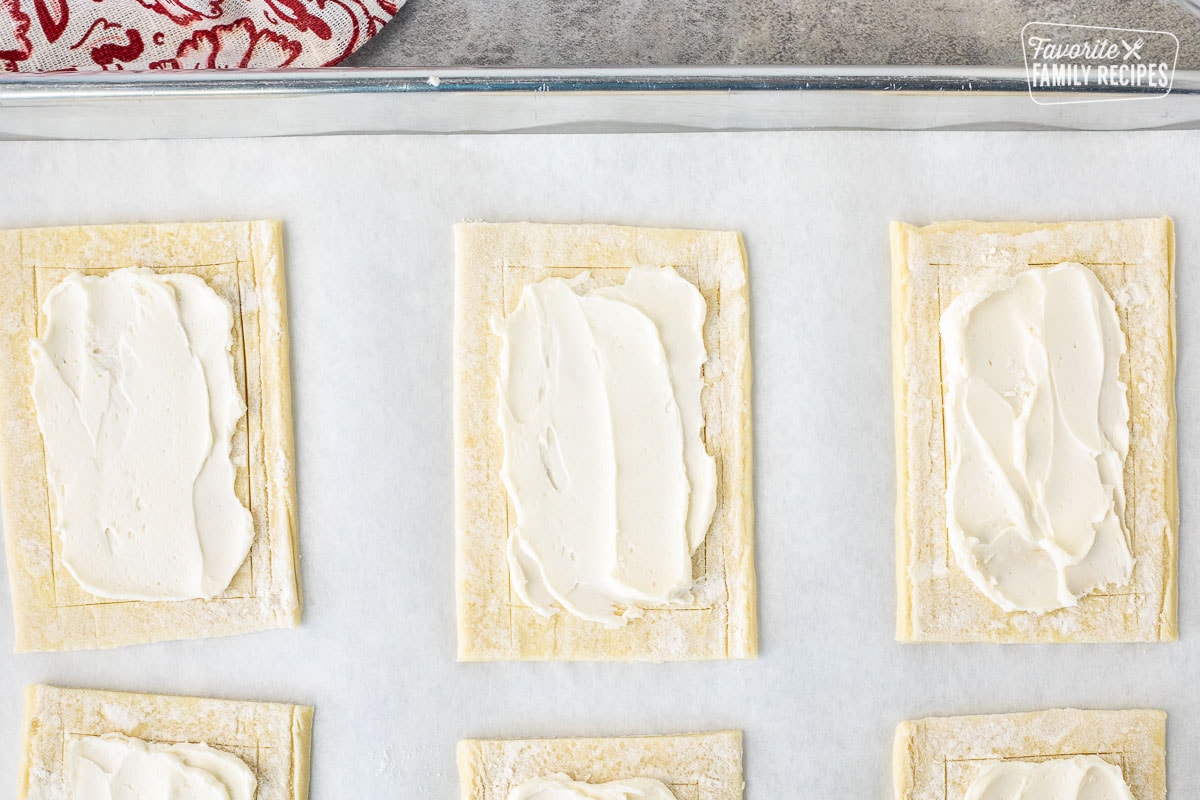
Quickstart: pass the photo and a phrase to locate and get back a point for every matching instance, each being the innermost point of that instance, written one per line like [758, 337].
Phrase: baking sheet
[369, 260]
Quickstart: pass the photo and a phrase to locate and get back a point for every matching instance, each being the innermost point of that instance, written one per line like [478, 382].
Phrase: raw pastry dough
[243, 262]
[938, 758]
[494, 261]
[698, 766]
[272, 738]
[1134, 260]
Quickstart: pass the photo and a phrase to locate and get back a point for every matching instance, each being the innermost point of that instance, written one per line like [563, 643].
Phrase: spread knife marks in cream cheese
[116, 767]
[604, 459]
[560, 787]
[1037, 432]
[137, 404]
[1075, 778]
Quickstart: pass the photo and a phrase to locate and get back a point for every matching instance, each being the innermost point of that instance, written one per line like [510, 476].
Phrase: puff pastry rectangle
[242, 262]
[494, 262]
[698, 766]
[938, 758]
[274, 739]
[1134, 260]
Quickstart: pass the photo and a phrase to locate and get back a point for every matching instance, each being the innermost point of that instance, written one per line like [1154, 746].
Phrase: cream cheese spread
[604, 457]
[116, 767]
[560, 787]
[137, 403]
[1075, 778]
[1037, 433]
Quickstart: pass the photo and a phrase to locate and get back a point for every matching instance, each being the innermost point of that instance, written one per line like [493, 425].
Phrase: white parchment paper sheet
[369, 262]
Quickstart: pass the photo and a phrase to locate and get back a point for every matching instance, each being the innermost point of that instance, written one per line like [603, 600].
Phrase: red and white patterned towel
[49, 35]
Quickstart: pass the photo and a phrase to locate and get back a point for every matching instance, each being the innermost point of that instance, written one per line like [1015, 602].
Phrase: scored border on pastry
[243, 263]
[939, 757]
[1134, 261]
[695, 766]
[273, 739]
[494, 262]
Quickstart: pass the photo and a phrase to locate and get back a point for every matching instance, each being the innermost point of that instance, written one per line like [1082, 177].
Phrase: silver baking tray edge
[219, 104]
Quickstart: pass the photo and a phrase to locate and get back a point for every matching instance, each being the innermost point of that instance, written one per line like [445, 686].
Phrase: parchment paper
[369, 254]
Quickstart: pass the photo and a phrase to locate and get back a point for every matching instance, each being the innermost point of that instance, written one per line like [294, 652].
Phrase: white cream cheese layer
[604, 460]
[137, 404]
[560, 787]
[1075, 778]
[1037, 432]
[116, 767]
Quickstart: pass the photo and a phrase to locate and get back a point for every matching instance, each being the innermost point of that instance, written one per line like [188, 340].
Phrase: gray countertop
[712, 32]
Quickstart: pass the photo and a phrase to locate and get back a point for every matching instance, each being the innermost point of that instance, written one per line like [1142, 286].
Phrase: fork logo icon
[1134, 49]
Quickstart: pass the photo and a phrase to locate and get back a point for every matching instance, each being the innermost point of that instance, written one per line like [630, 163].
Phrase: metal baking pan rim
[1007, 80]
[236, 104]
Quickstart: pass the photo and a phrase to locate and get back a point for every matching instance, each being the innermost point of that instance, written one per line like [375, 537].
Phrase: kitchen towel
[53, 35]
